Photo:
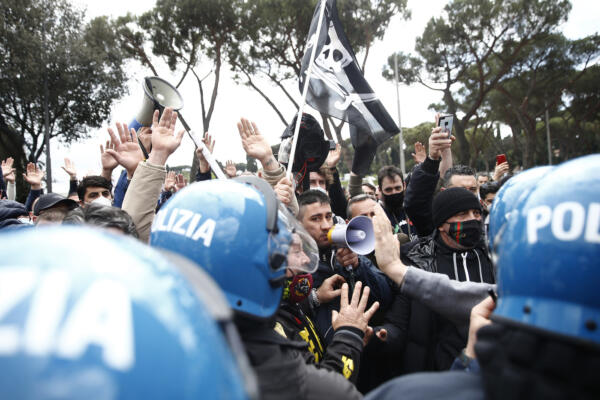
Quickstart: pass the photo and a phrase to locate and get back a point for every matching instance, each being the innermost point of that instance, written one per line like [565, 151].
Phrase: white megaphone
[357, 235]
[158, 94]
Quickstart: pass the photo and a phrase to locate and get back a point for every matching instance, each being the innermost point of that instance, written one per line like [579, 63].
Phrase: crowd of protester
[316, 320]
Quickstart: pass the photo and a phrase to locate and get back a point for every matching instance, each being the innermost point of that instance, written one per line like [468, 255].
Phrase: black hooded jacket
[432, 341]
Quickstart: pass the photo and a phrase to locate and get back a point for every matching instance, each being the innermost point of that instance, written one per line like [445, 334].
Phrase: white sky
[235, 101]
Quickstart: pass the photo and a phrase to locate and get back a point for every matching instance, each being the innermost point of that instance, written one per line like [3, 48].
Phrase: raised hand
[8, 172]
[230, 169]
[330, 289]
[500, 171]
[352, 313]
[180, 182]
[387, 247]
[203, 165]
[169, 184]
[255, 145]
[34, 176]
[420, 154]
[126, 150]
[164, 139]
[438, 143]
[334, 156]
[108, 162]
[70, 169]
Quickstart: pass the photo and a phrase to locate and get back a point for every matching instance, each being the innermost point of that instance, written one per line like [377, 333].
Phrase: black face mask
[466, 233]
[394, 200]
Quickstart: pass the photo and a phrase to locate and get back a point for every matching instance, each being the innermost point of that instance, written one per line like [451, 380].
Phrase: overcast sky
[235, 101]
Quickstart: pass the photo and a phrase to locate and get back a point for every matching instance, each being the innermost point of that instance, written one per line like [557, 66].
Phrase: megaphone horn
[158, 94]
[357, 235]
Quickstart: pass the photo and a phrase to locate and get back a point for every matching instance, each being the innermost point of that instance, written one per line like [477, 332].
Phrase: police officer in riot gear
[246, 248]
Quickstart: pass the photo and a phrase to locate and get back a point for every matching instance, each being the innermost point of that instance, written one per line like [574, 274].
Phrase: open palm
[126, 150]
[255, 145]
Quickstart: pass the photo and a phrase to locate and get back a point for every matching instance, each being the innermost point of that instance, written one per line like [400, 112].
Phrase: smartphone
[331, 145]
[500, 158]
[445, 122]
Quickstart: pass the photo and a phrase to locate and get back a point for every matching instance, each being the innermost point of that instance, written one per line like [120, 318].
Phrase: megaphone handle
[351, 281]
[207, 154]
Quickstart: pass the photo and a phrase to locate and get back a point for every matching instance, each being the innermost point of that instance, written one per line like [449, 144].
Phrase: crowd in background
[318, 320]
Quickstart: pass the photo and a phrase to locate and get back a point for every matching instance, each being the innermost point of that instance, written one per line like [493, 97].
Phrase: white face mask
[319, 188]
[102, 201]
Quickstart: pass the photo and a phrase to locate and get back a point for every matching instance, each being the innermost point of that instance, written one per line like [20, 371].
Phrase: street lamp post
[401, 139]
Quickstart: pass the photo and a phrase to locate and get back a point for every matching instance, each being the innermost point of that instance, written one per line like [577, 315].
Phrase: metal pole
[401, 139]
[305, 89]
[548, 137]
[47, 119]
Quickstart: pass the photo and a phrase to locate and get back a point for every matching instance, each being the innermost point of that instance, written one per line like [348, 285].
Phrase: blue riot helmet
[548, 273]
[508, 197]
[239, 233]
[86, 314]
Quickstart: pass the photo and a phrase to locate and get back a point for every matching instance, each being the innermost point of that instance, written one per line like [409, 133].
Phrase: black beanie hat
[452, 201]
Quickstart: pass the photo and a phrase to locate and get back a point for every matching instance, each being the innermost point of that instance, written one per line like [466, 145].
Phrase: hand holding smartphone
[500, 159]
[446, 122]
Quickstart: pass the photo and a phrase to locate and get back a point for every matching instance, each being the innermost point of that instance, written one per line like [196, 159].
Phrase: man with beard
[391, 186]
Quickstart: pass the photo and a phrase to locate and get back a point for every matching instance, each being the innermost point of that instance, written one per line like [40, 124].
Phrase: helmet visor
[302, 253]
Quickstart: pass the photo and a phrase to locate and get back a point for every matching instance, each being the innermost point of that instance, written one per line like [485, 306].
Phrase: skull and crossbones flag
[338, 88]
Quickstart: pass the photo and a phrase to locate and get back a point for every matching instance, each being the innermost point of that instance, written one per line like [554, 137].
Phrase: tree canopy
[475, 47]
[48, 43]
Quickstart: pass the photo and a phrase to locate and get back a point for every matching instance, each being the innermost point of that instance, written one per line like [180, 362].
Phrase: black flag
[339, 89]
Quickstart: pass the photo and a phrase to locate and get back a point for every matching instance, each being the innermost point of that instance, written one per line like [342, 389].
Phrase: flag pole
[205, 152]
[305, 89]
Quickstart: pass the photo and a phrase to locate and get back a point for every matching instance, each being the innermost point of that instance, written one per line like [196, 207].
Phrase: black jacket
[366, 272]
[342, 355]
[283, 373]
[432, 341]
[399, 223]
[418, 196]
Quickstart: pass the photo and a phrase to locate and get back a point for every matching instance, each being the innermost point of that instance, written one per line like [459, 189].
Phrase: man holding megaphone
[339, 258]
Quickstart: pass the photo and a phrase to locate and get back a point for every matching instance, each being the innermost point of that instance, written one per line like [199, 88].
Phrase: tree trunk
[346, 155]
[529, 149]
[326, 127]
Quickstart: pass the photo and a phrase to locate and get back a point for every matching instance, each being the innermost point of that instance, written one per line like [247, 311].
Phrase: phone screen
[445, 122]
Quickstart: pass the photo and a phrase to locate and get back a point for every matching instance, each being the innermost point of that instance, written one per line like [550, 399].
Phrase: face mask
[394, 200]
[298, 288]
[102, 201]
[466, 233]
